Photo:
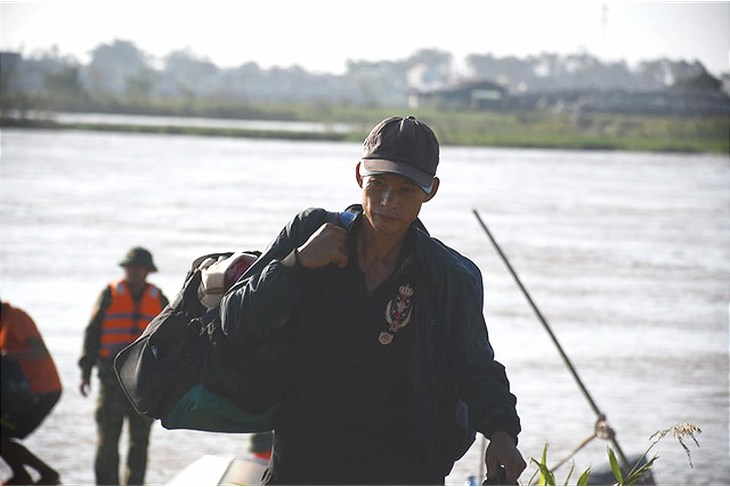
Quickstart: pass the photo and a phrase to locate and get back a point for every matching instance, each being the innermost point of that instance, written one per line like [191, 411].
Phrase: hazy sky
[322, 35]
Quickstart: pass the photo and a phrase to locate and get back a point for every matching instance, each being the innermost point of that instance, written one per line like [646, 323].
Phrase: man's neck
[136, 288]
[377, 255]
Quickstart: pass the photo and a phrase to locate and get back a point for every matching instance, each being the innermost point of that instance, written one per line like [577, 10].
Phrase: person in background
[122, 312]
[31, 388]
[392, 365]
[261, 444]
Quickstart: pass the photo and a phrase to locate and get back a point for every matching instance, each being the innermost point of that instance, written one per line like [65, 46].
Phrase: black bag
[251, 376]
[184, 371]
[16, 396]
[165, 361]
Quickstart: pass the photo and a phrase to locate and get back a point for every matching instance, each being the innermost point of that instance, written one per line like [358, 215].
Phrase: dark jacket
[451, 355]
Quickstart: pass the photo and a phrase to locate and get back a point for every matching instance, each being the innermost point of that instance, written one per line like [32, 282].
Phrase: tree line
[121, 73]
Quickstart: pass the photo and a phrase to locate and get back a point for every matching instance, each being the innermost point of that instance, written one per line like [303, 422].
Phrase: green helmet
[139, 256]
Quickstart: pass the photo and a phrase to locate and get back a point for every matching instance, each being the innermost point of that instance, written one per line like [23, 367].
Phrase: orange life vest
[262, 455]
[16, 330]
[126, 319]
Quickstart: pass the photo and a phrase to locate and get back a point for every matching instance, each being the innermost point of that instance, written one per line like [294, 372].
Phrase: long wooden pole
[601, 417]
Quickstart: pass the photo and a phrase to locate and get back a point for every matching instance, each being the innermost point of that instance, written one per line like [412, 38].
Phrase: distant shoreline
[175, 130]
[463, 135]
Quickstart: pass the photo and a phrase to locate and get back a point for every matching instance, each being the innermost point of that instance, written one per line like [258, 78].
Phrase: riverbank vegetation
[525, 129]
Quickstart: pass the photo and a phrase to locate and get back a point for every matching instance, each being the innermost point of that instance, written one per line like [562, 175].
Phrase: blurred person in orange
[261, 445]
[30, 389]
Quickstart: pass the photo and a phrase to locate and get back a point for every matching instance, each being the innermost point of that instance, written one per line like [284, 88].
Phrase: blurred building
[475, 95]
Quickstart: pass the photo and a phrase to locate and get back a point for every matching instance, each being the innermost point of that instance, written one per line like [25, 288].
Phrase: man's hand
[325, 246]
[85, 387]
[503, 451]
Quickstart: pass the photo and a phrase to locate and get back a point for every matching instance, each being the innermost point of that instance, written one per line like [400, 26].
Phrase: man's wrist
[503, 436]
[293, 261]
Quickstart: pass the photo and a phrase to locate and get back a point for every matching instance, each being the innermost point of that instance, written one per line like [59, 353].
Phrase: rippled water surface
[627, 256]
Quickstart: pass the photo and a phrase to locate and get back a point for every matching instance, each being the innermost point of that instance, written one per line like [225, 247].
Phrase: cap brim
[371, 167]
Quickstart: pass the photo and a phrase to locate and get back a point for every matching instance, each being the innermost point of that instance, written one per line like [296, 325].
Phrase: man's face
[392, 202]
[135, 274]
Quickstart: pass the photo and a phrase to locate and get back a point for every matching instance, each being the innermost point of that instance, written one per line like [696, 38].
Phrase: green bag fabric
[203, 410]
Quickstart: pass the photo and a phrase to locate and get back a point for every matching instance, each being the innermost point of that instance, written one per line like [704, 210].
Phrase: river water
[627, 255]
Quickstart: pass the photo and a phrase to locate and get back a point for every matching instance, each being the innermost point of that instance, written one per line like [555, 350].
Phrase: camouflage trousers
[112, 409]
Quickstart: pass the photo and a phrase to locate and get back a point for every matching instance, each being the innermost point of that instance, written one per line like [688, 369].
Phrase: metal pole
[601, 416]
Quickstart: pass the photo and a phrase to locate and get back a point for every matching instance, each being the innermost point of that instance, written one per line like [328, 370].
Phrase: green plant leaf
[637, 474]
[546, 476]
[615, 466]
[570, 472]
[583, 479]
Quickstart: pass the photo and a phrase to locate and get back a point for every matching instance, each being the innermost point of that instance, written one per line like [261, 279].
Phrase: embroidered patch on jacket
[397, 313]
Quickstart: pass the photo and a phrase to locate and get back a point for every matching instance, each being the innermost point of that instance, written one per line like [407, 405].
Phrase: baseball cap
[401, 146]
[139, 256]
